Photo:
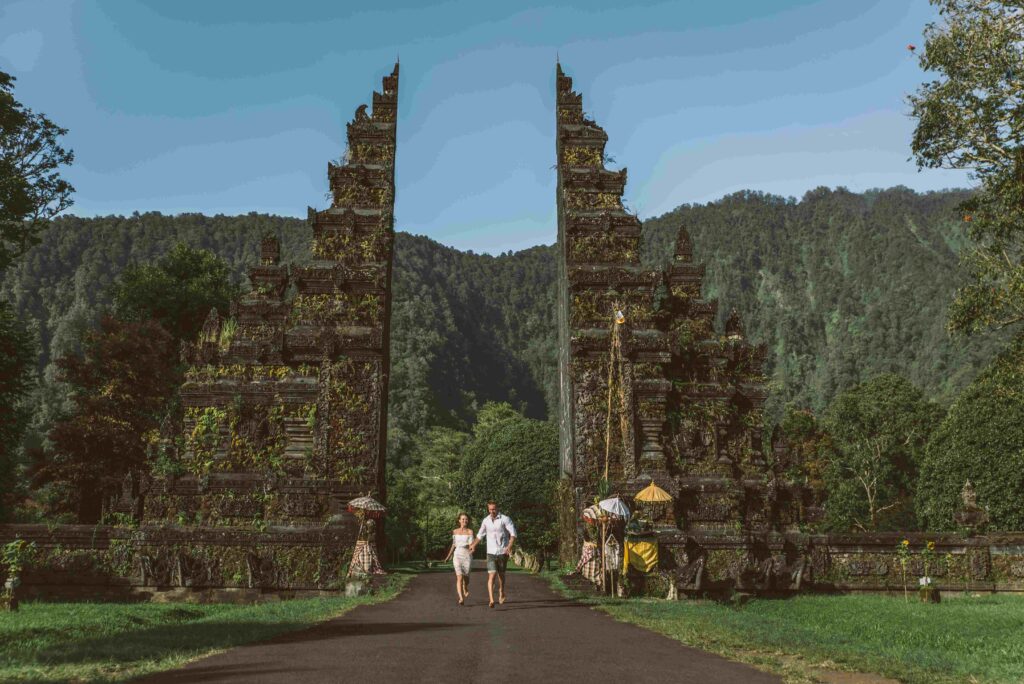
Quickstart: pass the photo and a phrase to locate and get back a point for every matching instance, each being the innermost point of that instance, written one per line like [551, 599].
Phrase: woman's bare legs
[458, 588]
[465, 586]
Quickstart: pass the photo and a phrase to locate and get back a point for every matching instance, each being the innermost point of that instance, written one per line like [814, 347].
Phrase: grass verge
[112, 642]
[977, 638]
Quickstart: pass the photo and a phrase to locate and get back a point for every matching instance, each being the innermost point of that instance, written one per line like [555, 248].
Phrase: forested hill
[839, 285]
[466, 328]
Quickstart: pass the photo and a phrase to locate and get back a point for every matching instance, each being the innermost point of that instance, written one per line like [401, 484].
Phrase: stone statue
[971, 517]
[970, 498]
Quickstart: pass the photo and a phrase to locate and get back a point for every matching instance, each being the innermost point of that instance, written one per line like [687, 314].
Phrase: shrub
[515, 463]
[982, 439]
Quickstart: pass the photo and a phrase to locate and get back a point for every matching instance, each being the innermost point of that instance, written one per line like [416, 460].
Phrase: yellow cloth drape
[642, 555]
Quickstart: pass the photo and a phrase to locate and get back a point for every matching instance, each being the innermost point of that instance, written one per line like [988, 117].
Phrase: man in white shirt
[501, 536]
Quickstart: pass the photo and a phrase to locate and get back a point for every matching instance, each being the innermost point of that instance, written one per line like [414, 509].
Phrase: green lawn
[976, 638]
[100, 642]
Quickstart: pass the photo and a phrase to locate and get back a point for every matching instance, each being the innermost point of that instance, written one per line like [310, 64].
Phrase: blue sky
[232, 107]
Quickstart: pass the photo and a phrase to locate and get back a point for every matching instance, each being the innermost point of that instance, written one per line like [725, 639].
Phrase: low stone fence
[83, 561]
[787, 563]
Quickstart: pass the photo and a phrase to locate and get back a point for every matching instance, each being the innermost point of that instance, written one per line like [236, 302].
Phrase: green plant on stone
[15, 555]
[164, 463]
[227, 333]
[117, 519]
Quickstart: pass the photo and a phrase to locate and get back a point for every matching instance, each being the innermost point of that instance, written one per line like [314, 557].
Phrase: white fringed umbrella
[615, 507]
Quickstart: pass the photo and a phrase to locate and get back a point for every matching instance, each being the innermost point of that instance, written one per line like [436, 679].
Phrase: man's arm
[479, 535]
[510, 526]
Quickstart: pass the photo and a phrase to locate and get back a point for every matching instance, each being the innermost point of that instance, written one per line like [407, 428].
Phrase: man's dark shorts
[497, 563]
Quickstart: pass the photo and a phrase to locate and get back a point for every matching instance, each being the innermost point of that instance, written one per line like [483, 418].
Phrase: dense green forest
[840, 286]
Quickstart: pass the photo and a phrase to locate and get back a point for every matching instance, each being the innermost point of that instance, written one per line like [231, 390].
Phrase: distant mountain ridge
[839, 285]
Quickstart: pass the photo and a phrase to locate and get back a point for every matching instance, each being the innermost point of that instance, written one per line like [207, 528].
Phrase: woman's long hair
[469, 521]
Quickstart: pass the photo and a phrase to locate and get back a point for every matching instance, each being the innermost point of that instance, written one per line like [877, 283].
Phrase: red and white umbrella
[592, 514]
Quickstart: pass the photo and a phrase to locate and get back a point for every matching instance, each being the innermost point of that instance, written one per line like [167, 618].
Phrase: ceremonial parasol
[615, 507]
[652, 493]
[370, 507]
[654, 497]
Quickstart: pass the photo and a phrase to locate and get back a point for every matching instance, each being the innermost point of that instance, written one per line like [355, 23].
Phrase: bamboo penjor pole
[613, 365]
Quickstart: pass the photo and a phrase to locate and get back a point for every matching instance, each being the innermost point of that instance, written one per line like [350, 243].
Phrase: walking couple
[500, 534]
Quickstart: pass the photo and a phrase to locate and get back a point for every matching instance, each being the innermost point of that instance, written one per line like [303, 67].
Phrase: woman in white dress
[462, 537]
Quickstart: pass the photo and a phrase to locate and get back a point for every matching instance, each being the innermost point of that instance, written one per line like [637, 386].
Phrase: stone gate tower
[650, 390]
[286, 398]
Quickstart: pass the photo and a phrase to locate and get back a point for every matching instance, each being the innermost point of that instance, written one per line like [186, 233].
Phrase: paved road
[425, 636]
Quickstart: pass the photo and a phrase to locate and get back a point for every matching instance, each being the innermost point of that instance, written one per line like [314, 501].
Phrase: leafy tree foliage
[119, 389]
[17, 378]
[177, 291]
[514, 462]
[810, 444]
[423, 496]
[971, 116]
[878, 431]
[508, 457]
[982, 439]
[31, 189]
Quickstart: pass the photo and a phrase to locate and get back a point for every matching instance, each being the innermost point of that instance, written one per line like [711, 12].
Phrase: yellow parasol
[652, 493]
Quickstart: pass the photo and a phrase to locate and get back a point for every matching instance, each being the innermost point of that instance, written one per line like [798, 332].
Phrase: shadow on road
[540, 604]
[212, 673]
[335, 630]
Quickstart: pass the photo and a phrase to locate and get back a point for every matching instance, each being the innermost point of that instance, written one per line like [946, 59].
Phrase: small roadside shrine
[640, 549]
[365, 560]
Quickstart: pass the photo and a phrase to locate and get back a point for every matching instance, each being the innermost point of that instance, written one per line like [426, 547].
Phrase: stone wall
[84, 561]
[783, 563]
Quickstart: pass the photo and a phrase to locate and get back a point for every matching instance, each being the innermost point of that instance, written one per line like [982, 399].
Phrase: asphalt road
[425, 636]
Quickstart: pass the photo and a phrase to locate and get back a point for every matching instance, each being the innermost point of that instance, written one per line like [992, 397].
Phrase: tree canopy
[971, 116]
[17, 378]
[878, 431]
[119, 388]
[178, 290]
[31, 189]
[513, 461]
